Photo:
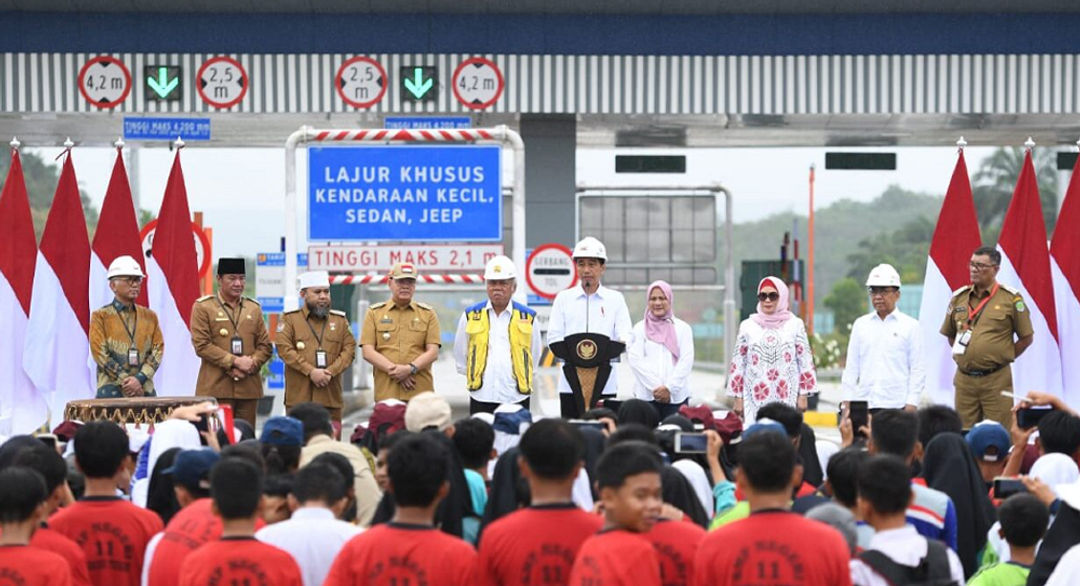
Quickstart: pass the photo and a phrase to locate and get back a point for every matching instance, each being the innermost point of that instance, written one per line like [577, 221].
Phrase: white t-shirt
[313, 537]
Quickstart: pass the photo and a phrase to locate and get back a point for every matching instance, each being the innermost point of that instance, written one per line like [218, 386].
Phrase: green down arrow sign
[418, 82]
[164, 82]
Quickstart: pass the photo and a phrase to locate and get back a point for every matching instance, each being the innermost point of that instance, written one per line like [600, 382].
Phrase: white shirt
[904, 546]
[1067, 571]
[148, 558]
[603, 312]
[499, 384]
[653, 365]
[313, 537]
[884, 362]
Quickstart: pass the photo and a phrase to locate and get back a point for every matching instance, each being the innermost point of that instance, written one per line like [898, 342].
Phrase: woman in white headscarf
[772, 361]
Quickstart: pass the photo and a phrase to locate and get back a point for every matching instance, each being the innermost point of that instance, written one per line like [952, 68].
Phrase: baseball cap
[283, 431]
[403, 270]
[763, 425]
[191, 468]
[427, 410]
[986, 434]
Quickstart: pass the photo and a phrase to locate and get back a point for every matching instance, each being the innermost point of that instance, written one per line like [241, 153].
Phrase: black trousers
[484, 407]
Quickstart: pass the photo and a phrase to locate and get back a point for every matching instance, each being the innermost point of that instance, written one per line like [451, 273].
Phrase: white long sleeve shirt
[499, 385]
[603, 312]
[653, 366]
[884, 362]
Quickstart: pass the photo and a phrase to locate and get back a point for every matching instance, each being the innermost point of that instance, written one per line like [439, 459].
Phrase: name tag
[320, 358]
[237, 344]
[133, 357]
[961, 343]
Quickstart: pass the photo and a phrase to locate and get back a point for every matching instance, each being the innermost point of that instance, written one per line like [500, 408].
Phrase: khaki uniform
[298, 339]
[212, 332]
[400, 335]
[983, 371]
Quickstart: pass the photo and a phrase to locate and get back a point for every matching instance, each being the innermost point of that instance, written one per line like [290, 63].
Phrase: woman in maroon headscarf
[661, 353]
[772, 359]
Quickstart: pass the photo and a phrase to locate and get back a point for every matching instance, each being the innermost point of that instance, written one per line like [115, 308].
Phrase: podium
[587, 365]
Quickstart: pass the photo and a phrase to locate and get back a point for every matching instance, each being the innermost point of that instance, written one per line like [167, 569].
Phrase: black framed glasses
[880, 290]
[771, 296]
[978, 266]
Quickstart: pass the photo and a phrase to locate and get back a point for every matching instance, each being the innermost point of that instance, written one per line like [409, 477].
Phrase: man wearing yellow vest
[497, 346]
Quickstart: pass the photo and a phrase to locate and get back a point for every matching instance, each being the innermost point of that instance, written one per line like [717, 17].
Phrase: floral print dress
[771, 365]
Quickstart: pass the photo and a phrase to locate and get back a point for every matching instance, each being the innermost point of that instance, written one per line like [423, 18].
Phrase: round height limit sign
[222, 82]
[104, 82]
[477, 83]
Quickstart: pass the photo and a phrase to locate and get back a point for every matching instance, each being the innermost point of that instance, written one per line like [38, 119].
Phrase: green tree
[994, 183]
[41, 178]
[847, 300]
[905, 249]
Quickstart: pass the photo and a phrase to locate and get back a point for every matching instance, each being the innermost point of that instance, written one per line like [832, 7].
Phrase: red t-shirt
[397, 554]
[22, 564]
[616, 557]
[191, 527]
[536, 545]
[773, 547]
[239, 560]
[113, 534]
[676, 544]
[49, 539]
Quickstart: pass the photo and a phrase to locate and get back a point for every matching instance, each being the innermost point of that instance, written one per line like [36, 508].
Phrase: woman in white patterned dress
[772, 359]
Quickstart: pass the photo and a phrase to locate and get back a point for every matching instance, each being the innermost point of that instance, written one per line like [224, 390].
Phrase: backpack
[933, 570]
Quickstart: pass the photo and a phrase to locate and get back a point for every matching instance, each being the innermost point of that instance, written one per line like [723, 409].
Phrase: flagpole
[810, 260]
[15, 144]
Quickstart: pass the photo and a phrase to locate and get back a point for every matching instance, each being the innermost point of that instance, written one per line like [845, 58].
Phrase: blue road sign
[436, 122]
[405, 193]
[166, 128]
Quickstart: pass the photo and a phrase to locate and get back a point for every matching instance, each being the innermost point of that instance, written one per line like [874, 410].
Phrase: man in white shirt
[588, 308]
[884, 357]
[497, 345]
[313, 536]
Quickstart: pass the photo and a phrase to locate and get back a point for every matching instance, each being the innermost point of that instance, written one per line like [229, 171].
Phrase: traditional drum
[142, 410]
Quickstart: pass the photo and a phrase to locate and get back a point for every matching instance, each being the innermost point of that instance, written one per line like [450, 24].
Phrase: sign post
[500, 135]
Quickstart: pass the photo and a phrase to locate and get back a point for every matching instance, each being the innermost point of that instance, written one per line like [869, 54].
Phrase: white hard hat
[590, 247]
[314, 279]
[125, 266]
[883, 275]
[500, 268]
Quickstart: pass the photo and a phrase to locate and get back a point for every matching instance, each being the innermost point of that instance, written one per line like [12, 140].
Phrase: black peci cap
[231, 266]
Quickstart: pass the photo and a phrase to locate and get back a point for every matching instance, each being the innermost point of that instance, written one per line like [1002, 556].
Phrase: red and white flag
[174, 273]
[1065, 269]
[117, 234]
[57, 348]
[22, 409]
[955, 237]
[1025, 265]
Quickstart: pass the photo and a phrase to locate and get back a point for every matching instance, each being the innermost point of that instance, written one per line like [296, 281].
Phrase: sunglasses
[773, 296]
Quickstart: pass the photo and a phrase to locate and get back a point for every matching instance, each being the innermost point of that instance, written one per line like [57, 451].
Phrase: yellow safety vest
[477, 326]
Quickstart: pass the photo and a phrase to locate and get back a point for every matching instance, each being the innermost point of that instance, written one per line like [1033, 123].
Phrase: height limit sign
[104, 81]
[222, 82]
[361, 82]
[478, 83]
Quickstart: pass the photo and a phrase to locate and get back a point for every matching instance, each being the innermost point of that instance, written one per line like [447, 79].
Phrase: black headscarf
[638, 411]
[594, 448]
[678, 493]
[1063, 534]
[160, 496]
[948, 466]
[509, 491]
[812, 471]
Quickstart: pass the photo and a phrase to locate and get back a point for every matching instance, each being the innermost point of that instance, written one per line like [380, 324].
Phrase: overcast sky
[241, 191]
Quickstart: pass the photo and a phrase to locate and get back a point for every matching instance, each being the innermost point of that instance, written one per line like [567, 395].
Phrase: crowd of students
[416, 498]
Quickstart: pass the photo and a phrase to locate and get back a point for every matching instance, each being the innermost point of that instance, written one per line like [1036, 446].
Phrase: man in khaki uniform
[400, 338]
[229, 335]
[980, 324]
[316, 345]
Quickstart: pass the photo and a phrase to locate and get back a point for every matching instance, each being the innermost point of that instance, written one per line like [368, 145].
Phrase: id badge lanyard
[236, 345]
[973, 317]
[320, 354]
[133, 351]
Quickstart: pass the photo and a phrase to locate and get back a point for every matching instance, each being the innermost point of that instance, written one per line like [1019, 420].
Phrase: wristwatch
[412, 368]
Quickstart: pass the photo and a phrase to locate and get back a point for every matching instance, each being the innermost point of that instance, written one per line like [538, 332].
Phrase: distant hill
[840, 232]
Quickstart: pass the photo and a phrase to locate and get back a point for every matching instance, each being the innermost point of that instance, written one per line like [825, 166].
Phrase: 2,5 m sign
[406, 193]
